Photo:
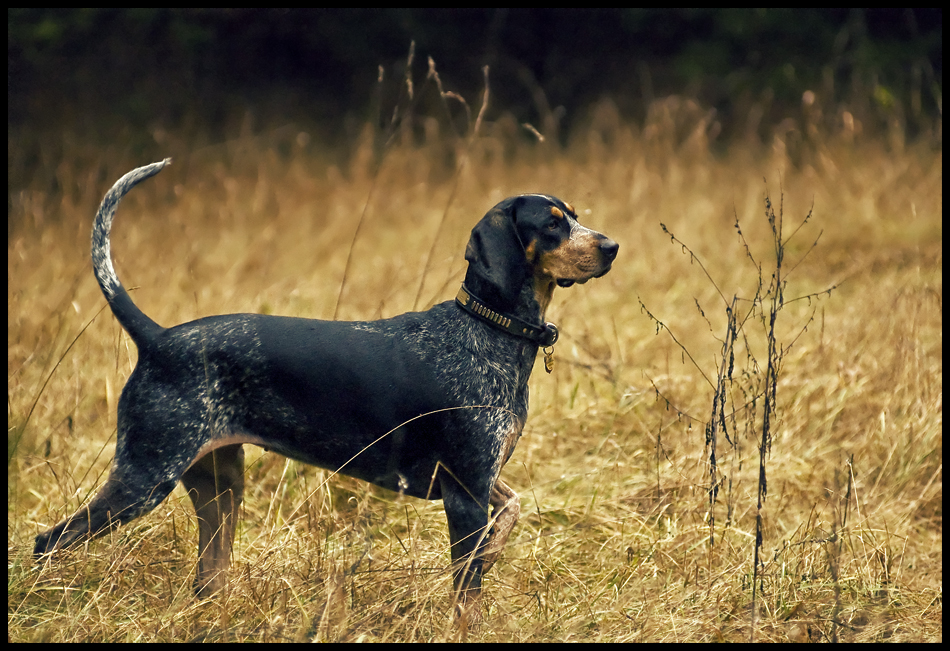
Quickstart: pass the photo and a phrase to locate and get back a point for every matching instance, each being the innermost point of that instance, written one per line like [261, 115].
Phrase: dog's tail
[136, 323]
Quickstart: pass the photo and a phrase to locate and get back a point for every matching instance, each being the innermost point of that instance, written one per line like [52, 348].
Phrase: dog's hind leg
[146, 469]
[123, 498]
[215, 484]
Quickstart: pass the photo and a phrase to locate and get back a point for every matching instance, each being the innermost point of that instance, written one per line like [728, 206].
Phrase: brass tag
[549, 359]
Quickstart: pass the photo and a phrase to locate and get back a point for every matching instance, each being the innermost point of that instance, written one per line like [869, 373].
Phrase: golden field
[613, 468]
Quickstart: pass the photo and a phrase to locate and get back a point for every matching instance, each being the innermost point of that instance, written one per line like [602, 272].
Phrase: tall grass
[614, 540]
[737, 397]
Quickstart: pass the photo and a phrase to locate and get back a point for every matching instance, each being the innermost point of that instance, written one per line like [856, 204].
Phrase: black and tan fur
[430, 404]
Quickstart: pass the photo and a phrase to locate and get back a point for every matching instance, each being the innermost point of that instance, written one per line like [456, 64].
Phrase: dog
[430, 404]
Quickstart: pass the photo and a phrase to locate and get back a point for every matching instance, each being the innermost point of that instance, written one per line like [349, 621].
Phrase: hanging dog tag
[549, 359]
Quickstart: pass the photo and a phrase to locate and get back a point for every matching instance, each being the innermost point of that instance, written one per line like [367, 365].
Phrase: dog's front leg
[468, 523]
[507, 507]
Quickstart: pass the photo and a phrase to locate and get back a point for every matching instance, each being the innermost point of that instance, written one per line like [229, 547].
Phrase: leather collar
[543, 335]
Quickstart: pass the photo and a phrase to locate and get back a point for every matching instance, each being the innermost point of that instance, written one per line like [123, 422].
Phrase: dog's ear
[496, 256]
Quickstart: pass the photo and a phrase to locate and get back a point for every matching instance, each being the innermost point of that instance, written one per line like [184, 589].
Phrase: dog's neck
[544, 334]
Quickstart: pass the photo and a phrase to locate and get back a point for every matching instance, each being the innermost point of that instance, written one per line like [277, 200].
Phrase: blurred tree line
[68, 67]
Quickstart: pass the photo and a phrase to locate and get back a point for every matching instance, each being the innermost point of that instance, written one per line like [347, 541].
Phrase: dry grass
[613, 540]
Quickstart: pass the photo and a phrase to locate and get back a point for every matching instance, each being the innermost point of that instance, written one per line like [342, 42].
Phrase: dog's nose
[608, 249]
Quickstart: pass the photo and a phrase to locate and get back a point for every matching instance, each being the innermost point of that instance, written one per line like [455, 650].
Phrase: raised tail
[136, 323]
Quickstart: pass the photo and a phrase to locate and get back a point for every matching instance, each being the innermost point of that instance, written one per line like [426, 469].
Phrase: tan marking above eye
[569, 206]
[557, 212]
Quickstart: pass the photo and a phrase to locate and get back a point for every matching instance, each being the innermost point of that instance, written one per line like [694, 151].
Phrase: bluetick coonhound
[430, 404]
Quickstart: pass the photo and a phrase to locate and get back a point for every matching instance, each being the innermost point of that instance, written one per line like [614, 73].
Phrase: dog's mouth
[567, 282]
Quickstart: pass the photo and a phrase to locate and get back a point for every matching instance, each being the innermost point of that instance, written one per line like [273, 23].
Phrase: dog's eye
[553, 225]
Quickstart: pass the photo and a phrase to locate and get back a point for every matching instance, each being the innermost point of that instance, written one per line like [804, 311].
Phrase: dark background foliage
[140, 65]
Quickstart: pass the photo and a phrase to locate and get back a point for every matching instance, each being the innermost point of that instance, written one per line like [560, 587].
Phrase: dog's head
[535, 238]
